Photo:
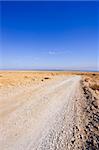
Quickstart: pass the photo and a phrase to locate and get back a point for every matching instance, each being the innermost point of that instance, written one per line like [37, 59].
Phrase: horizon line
[82, 70]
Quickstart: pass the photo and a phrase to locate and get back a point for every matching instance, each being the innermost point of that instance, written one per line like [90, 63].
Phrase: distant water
[60, 70]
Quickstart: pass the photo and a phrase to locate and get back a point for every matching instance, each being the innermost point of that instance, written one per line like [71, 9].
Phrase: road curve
[40, 118]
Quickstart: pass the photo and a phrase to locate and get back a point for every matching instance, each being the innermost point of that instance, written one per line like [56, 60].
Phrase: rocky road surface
[43, 117]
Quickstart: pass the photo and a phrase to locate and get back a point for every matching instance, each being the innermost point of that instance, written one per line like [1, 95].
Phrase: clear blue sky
[49, 35]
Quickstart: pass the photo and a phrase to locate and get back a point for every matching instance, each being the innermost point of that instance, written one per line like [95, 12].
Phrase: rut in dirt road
[41, 119]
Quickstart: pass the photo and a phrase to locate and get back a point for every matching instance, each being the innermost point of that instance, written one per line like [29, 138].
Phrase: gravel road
[40, 117]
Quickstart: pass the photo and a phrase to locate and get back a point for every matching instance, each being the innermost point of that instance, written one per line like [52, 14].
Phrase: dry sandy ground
[45, 111]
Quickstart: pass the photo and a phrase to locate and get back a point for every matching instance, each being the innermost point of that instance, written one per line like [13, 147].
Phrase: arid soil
[90, 85]
[49, 110]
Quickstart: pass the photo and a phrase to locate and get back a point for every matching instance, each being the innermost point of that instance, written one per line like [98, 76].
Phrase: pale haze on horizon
[49, 35]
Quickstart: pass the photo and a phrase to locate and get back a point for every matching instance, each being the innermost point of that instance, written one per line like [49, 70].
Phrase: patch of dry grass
[95, 86]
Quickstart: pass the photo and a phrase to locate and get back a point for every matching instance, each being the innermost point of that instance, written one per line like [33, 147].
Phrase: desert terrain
[49, 110]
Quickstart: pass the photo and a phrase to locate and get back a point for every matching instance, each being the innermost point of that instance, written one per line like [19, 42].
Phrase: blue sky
[49, 35]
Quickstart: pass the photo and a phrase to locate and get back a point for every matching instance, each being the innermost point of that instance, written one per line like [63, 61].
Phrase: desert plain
[44, 110]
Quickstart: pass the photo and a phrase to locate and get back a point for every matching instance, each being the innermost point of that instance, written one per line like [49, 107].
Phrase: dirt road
[39, 117]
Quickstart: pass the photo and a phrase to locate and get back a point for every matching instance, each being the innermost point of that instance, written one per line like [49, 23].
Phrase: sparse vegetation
[46, 78]
[95, 86]
[26, 77]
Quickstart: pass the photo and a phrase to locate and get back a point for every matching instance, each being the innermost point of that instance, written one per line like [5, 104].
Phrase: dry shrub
[46, 78]
[94, 86]
[26, 77]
